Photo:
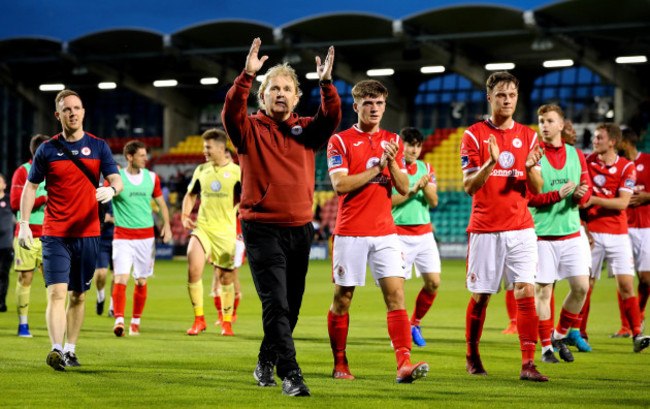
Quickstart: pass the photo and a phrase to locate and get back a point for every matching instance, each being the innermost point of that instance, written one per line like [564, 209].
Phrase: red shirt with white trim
[500, 204]
[639, 217]
[366, 211]
[607, 182]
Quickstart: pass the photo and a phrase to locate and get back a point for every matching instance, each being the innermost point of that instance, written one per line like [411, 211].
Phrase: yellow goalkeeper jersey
[216, 185]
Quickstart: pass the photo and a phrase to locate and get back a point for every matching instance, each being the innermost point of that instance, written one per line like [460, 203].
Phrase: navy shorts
[70, 261]
[105, 254]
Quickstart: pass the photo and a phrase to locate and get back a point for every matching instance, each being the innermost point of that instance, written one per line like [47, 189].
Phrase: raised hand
[493, 148]
[534, 157]
[325, 70]
[253, 63]
[581, 191]
[566, 189]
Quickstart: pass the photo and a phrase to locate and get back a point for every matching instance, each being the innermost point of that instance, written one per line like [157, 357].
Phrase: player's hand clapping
[493, 148]
[534, 157]
[566, 189]
[580, 191]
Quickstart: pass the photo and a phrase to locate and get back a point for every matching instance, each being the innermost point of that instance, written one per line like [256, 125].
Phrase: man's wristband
[325, 82]
[24, 222]
[114, 190]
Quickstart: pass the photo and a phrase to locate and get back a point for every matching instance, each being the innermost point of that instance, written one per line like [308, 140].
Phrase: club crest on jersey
[464, 161]
[612, 170]
[334, 161]
[215, 186]
[506, 159]
[226, 174]
[85, 151]
[296, 130]
[599, 180]
[629, 183]
[516, 142]
[640, 167]
[372, 162]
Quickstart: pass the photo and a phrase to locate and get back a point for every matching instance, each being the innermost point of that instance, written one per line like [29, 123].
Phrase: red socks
[474, 320]
[527, 324]
[643, 291]
[217, 302]
[119, 300]
[625, 323]
[237, 298]
[511, 306]
[422, 305]
[567, 320]
[337, 327]
[399, 330]
[545, 330]
[584, 314]
[139, 299]
[631, 306]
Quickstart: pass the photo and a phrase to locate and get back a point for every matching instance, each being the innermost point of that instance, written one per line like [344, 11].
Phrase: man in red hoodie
[276, 153]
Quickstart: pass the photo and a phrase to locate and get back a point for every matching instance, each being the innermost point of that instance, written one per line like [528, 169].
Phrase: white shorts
[616, 249]
[492, 255]
[352, 254]
[138, 254]
[640, 248]
[240, 249]
[422, 251]
[561, 259]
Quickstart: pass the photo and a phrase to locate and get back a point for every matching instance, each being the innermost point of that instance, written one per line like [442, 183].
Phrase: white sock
[58, 347]
[69, 348]
[135, 321]
[557, 336]
[110, 307]
[119, 320]
[544, 349]
[100, 295]
[22, 319]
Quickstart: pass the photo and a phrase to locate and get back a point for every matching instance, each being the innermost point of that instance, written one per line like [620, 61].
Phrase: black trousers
[278, 258]
[6, 257]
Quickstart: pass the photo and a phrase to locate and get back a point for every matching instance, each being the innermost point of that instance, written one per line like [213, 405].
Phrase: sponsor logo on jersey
[136, 194]
[556, 182]
[640, 167]
[215, 186]
[464, 161]
[357, 143]
[599, 180]
[334, 161]
[629, 183]
[612, 170]
[75, 152]
[516, 143]
[506, 159]
[372, 162]
[85, 151]
[508, 173]
[296, 130]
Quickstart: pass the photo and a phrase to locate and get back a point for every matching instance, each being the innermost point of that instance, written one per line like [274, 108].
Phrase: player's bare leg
[100, 283]
[474, 320]
[578, 288]
[23, 290]
[543, 305]
[55, 316]
[422, 305]
[399, 330]
[196, 261]
[74, 319]
[338, 322]
[226, 279]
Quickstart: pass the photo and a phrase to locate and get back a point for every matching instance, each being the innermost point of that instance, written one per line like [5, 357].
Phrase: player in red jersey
[364, 163]
[614, 179]
[638, 215]
[71, 232]
[498, 158]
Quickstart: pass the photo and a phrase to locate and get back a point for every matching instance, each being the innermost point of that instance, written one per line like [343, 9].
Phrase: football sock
[119, 300]
[69, 348]
[552, 307]
[474, 320]
[58, 347]
[119, 320]
[399, 330]
[337, 327]
[625, 323]
[227, 301]
[22, 300]
[139, 299]
[567, 319]
[422, 305]
[584, 314]
[545, 330]
[633, 314]
[110, 306]
[237, 299]
[527, 323]
[546, 348]
[22, 319]
[196, 296]
[100, 295]
[643, 290]
[217, 302]
[511, 306]
[135, 321]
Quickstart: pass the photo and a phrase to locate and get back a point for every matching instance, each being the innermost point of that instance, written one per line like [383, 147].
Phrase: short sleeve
[470, 158]
[337, 160]
[39, 166]
[195, 180]
[432, 172]
[108, 164]
[401, 161]
[157, 191]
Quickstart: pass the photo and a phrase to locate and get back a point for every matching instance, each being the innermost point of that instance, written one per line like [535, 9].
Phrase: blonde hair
[544, 109]
[278, 70]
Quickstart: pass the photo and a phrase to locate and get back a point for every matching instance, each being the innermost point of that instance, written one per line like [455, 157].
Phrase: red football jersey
[607, 182]
[366, 211]
[639, 217]
[500, 204]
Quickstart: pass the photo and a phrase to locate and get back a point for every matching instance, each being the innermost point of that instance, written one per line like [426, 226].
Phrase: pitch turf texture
[163, 367]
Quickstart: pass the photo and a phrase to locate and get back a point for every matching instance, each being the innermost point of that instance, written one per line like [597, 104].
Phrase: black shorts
[70, 261]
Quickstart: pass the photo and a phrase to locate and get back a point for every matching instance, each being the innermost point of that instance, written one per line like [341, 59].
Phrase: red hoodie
[277, 158]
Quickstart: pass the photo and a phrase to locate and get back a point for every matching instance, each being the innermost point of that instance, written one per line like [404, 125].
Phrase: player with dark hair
[133, 239]
[71, 224]
[413, 222]
[499, 158]
[26, 261]
[613, 178]
[365, 162]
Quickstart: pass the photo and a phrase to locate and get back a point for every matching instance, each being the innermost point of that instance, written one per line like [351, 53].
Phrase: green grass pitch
[163, 367]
